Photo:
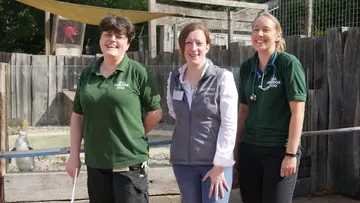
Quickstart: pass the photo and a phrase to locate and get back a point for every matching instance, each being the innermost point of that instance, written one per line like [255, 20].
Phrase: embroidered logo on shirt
[273, 82]
[208, 91]
[121, 85]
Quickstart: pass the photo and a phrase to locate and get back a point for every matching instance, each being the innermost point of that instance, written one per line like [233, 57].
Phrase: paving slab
[333, 198]
[176, 199]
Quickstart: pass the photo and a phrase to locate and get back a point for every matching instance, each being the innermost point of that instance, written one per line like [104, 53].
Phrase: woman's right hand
[72, 164]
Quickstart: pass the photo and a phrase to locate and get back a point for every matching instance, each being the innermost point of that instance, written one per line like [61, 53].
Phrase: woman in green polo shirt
[272, 97]
[111, 98]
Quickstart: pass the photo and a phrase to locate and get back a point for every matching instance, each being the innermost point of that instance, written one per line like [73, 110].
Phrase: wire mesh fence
[298, 16]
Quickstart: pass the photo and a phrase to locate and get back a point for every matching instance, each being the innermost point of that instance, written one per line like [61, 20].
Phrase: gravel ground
[38, 129]
[159, 156]
[42, 129]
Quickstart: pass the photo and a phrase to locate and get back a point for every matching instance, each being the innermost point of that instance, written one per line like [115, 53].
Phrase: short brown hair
[117, 24]
[189, 28]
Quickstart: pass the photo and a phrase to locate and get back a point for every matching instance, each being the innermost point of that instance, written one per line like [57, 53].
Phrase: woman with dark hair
[107, 113]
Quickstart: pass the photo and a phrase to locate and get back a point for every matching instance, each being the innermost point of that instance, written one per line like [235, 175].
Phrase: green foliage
[22, 26]
[192, 5]
[19, 28]
[140, 5]
[205, 6]
[100, 3]
[256, 1]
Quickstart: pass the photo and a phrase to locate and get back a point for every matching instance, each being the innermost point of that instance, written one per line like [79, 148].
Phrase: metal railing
[66, 150]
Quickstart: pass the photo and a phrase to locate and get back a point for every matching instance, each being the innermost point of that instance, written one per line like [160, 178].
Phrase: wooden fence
[37, 81]
[332, 65]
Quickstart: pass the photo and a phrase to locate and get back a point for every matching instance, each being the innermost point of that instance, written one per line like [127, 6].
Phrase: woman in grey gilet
[203, 99]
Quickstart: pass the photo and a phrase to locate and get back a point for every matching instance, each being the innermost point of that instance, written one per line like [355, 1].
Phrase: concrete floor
[325, 199]
[319, 199]
[59, 141]
[322, 199]
[235, 198]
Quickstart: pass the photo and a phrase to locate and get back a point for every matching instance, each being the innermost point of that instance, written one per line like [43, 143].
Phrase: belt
[136, 167]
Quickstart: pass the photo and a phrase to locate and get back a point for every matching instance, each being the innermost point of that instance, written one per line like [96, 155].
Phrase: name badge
[178, 95]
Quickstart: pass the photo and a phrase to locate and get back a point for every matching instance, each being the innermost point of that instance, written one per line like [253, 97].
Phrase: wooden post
[47, 34]
[175, 38]
[3, 82]
[319, 144]
[230, 30]
[336, 159]
[350, 113]
[152, 30]
[309, 17]
[230, 27]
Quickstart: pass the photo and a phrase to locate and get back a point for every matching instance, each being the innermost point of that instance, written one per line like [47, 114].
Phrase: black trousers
[259, 175]
[106, 186]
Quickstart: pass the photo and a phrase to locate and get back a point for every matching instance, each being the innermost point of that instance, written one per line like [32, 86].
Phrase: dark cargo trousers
[108, 186]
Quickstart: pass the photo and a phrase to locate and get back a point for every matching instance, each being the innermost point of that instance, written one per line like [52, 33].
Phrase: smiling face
[113, 44]
[265, 34]
[194, 42]
[196, 47]
[116, 33]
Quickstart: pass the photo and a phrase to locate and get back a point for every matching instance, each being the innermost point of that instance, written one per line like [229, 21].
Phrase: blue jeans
[193, 190]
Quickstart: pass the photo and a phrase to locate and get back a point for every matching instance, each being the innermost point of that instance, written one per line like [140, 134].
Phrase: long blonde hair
[280, 45]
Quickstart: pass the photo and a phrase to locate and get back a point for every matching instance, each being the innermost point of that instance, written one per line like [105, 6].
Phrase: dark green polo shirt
[112, 107]
[269, 115]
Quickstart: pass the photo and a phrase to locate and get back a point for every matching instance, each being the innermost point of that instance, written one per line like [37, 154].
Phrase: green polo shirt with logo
[113, 130]
[269, 115]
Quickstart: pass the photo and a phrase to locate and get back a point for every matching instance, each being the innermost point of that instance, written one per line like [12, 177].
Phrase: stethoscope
[258, 74]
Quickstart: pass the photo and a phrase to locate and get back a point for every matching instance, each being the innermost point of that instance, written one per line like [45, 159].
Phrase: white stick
[73, 191]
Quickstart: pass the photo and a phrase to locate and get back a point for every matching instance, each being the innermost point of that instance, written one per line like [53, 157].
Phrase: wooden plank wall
[4, 73]
[351, 113]
[318, 110]
[37, 81]
[331, 64]
[343, 76]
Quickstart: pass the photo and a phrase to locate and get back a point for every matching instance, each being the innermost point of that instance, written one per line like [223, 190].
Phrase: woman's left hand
[218, 181]
[288, 166]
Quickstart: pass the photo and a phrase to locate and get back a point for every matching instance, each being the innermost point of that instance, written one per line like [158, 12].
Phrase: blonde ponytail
[281, 45]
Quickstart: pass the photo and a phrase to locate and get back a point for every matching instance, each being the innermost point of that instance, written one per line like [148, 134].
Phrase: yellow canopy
[90, 14]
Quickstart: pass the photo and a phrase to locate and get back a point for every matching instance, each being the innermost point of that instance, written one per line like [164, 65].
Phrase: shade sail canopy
[90, 14]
